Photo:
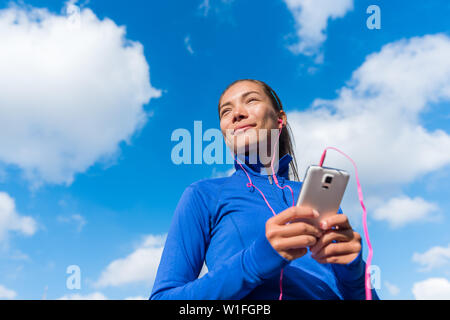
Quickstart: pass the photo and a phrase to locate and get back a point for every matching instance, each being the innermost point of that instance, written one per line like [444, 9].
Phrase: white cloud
[376, 120]
[219, 8]
[403, 210]
[139, 266]
[205, 6]
[7, 293]
[187, 43]
[220, 174]
[76, 219]
[435, 257]
[72, 88]
[136, 298]
[90, 296]
[10, 220]
[311, 17]
[392, 288]
[19, 256]
[203, 271]
[432, 289]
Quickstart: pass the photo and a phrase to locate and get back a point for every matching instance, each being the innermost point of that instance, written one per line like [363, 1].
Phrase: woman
[245, 227]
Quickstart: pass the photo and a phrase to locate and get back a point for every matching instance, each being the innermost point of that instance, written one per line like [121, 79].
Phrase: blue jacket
[222, 221]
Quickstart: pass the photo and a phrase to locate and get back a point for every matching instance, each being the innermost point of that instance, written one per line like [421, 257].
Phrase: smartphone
[322, 189]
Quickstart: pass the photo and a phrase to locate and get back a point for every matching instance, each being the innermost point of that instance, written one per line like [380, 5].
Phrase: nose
[239, 113]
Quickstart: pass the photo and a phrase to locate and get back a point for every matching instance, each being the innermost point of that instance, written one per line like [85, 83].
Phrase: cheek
[263, 115]
[225, 127]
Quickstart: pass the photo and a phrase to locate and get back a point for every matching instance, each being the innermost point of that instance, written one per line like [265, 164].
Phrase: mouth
[242, 129]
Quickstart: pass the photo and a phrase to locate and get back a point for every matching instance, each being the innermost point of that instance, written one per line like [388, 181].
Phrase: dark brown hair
[286, 138]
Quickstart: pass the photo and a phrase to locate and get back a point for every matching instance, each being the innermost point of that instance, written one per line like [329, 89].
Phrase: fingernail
[316, 213]
[324, 225]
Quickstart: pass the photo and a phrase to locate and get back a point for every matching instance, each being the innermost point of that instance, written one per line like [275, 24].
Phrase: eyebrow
[242, 96]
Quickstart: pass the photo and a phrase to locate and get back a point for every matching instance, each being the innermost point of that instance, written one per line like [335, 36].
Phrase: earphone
[367, 283]
[250, 184]
[280, 121]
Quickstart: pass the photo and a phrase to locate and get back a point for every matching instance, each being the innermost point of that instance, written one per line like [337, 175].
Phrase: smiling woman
[261, 109]
[255, 247]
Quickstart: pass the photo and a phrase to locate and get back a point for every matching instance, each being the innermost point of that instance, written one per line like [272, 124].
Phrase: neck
[264, 162]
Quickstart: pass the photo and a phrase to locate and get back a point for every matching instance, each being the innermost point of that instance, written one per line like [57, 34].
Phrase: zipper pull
[270, 179]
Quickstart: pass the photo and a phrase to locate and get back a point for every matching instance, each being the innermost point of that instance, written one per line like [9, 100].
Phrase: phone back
[323, 189]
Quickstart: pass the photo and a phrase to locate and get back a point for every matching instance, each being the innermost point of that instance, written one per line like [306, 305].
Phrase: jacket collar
[257, 169]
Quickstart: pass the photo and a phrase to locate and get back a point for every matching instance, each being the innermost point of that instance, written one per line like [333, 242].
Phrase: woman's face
[244, 109]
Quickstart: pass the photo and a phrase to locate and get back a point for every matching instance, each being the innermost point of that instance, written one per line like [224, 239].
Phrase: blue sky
[104, 202]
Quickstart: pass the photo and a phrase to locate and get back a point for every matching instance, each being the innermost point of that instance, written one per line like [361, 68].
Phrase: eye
[225, 111]
[251, 99]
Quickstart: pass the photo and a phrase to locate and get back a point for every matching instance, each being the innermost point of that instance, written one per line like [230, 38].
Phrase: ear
[282, 119]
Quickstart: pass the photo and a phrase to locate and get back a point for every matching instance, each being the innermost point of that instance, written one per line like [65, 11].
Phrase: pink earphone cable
[250, 184]
[367, 284]
[366, 232]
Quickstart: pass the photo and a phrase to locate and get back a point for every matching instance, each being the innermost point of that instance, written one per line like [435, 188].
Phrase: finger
[293, 254]
[342, 259]
[338, 249]
[299, 228]
[339, 220]
[283, 244]
[293, 213]
[330, 236]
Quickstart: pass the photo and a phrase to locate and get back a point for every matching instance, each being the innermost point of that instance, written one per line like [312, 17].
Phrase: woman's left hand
[347, 245]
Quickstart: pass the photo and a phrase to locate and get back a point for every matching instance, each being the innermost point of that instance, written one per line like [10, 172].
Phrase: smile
[241, 130]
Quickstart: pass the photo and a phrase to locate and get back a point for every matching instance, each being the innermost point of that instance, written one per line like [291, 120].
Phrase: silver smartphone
[323, 189]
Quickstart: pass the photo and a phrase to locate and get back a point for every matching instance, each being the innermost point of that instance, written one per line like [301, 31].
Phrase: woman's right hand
[291, 240]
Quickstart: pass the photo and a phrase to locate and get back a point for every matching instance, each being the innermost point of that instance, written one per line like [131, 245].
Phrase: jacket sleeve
[351, 278]
[184, 253]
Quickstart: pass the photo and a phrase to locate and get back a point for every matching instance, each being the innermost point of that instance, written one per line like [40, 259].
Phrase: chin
[244, 145]
[248, 142]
